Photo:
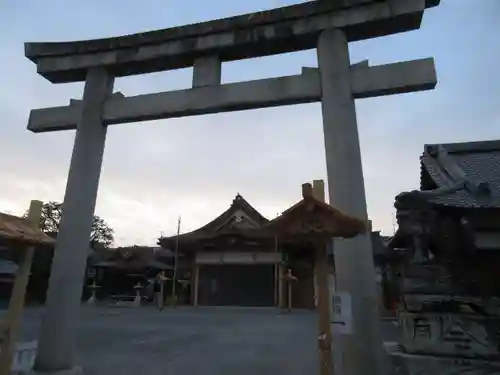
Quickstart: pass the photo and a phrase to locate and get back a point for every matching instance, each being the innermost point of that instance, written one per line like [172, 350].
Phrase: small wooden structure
[315, 222]
[23, 235]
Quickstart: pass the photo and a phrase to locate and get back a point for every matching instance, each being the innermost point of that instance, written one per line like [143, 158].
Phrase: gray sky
[195, 166]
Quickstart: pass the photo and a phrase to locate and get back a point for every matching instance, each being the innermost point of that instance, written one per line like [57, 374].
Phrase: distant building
[118, 270]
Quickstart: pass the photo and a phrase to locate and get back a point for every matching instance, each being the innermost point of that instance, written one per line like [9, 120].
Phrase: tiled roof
[217, 224]
[467, 173]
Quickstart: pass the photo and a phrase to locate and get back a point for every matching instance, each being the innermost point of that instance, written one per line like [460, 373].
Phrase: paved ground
[189, 341]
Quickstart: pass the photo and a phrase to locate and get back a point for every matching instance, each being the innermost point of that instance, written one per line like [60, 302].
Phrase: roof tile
[479, 165]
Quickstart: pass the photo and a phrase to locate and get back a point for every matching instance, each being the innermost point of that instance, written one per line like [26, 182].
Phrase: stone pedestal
[446, 330]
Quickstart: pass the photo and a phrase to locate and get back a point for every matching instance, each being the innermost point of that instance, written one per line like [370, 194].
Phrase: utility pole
[176, 259]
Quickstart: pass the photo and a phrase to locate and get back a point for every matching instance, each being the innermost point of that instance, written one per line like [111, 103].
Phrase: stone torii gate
[327, 26]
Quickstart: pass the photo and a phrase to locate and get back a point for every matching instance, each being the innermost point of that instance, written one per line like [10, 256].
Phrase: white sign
[342, 313]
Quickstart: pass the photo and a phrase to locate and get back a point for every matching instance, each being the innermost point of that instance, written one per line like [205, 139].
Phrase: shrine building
[230, 261]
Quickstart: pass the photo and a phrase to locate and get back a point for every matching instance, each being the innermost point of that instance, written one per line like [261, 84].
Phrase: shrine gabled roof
[222, 224]
[312, 217]
[465, 175]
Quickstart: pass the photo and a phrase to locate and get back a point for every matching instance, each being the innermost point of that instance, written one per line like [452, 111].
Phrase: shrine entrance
[325, 25]
[236, 285]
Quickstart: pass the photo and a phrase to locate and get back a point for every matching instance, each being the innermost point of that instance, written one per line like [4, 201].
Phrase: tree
[101, 233]
[51, 219]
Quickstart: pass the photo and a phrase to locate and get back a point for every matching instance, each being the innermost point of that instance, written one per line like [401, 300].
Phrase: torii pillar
[56, 349]
[359, 352]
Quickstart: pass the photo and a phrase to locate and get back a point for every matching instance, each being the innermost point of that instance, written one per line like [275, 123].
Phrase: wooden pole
[276, 274]
[160, 300]
[315, 288]
[276, 285]
[289, 288]
[281, 275]
[196, 282]
[324, 337]
[176, 260]
[323, 300]
[16, 303]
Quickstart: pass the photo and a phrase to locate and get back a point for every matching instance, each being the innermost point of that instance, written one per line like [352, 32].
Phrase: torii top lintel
[279, 30]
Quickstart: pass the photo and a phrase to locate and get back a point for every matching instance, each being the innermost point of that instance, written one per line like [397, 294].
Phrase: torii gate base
[325, 25]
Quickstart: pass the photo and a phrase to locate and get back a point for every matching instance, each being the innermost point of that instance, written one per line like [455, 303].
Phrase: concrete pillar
[360, 352]
[56, 350]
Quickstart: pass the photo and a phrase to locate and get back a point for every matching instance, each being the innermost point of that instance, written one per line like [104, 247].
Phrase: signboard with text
[341, 313]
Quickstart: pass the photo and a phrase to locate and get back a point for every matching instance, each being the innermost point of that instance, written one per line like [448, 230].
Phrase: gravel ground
[192, 341]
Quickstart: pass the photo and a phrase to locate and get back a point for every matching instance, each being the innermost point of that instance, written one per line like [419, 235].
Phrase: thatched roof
[19, 230]
[311, 217]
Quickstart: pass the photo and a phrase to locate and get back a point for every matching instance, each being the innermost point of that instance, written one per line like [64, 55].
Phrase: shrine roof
[225, 224]
[131, 257]
[464, 175]
[19, 230]
[313, 217]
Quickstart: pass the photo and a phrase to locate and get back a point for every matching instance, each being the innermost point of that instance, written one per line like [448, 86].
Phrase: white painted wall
[239, 257]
